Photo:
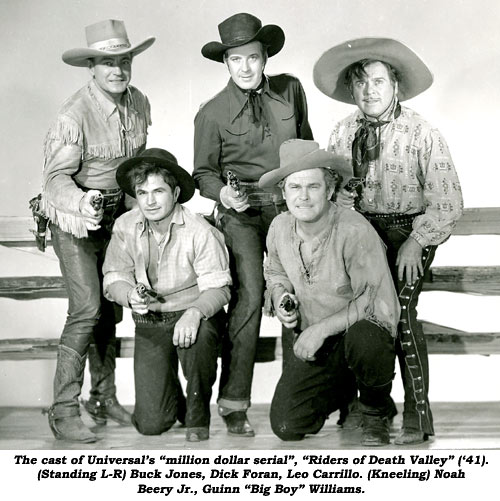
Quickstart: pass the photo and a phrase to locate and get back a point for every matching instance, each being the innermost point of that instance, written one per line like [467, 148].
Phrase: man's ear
[396, 88]
[177, 192]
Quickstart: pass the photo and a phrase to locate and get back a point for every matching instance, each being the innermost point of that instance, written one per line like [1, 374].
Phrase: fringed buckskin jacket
[85, 146]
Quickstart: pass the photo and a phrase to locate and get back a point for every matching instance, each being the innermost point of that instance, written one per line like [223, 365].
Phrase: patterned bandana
[366, 144]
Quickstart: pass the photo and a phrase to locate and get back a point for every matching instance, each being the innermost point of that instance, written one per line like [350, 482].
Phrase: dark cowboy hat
[161, 158]
[301, 154]
[105, 38]
[241, 29]
[330, 69]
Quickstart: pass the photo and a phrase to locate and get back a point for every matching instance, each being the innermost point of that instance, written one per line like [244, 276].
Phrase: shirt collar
[238, 99]
[104, 105]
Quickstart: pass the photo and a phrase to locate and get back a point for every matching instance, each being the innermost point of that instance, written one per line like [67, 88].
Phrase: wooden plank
[15, 230]
[483, 280]
[42, 348]
[479, 221]
[440, 340]
[32, 287]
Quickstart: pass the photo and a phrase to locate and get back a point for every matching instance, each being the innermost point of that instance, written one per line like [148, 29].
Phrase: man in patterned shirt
[407, 186]
[171, 268]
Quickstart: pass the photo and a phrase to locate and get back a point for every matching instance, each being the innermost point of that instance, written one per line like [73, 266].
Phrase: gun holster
[41, 222]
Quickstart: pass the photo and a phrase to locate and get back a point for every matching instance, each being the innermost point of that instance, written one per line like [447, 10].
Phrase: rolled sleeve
[118, 268]
[277, 281]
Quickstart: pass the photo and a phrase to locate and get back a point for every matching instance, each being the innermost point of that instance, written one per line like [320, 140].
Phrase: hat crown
[293, 150]
[238, 28]
[107, 35]
[158, 153]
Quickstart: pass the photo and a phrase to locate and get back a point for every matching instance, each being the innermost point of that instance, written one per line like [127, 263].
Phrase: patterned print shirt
[414, 173]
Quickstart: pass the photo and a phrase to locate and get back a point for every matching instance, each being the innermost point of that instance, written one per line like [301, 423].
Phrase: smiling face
[156, 199]
[307, 195]
[373, 90]
[246, 65]
[112, 74]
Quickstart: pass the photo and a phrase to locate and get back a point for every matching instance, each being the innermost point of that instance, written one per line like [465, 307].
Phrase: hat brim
[271, 35]
[316, 159]
[80, 56]
[184, 179]
[330, 69]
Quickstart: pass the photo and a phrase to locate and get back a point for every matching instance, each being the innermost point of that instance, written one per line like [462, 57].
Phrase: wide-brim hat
[301, 154]
[105, 38]
[242, 29]
[161, 158]
[330, 69]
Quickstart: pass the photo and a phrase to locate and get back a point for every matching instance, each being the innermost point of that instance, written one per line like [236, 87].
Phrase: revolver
[234, 183]
[354, 183]
[97, 202]
[41, 222]
[145, 292]
[287, 303]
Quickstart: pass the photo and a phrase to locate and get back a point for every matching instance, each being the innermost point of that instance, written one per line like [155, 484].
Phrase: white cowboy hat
[330, 69]
[105, 38]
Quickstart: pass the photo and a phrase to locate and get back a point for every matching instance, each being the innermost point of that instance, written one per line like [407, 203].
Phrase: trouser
[308, 392]
[245, 236]
[90, 322]
[156, 362]
[411, 347]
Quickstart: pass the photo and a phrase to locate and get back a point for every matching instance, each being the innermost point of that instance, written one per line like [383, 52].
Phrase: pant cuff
[226, 407]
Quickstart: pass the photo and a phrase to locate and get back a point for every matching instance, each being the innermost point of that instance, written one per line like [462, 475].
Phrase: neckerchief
[254, 99]
[366, 144]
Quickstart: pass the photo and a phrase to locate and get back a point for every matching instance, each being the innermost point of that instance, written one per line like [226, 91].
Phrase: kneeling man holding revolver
[171, 268]
[331, 264]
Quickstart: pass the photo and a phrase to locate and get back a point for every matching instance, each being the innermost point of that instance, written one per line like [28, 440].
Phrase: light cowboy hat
[301, 154]
[330, 69]
[105, 38]
[161, 158]
[242, 29]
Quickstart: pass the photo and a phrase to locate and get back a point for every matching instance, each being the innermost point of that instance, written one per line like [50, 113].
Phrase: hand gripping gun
[145, 292]
[97, 202]
[234, 183]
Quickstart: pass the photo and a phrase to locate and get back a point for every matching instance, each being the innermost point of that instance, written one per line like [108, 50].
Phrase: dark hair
[357, 70]
[140, 173]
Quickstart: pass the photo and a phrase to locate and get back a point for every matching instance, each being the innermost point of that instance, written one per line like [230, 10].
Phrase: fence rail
[479, 280]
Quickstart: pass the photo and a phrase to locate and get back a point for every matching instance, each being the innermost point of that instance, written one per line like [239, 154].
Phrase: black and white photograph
[250, 248]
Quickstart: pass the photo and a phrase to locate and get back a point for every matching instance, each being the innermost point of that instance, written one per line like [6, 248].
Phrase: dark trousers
[90, 323]
[308, 392]
[156, 362]
[411, 347]
[245, 236]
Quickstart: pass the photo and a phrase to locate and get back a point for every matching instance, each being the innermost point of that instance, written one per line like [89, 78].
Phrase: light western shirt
[85, 146]
[192, 268]
[348, 262]
[414, 173]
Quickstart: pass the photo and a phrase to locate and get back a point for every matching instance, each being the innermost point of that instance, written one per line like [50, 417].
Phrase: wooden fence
[478, 280]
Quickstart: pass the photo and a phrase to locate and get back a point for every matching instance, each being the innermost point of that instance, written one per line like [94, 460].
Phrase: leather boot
[103, 403]
[375, 426]
[64, 414]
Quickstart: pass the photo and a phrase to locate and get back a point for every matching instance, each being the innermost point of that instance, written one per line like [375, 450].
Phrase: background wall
[458, 39]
